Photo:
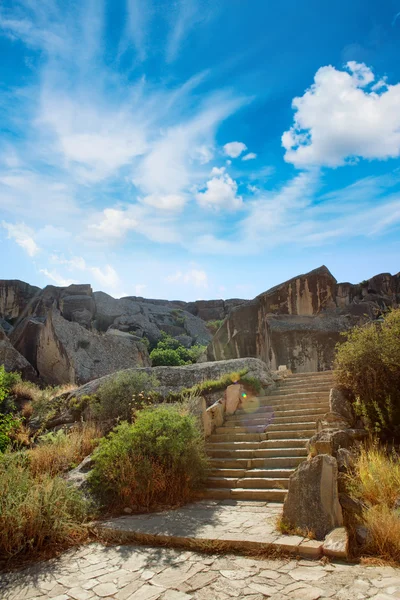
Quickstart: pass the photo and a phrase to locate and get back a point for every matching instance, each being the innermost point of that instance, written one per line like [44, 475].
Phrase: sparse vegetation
[58, 452]
[368, 366]
[160, 459]
[212, 385]
[375, 481]
[214, 325]
[36, 511]
[122, 395]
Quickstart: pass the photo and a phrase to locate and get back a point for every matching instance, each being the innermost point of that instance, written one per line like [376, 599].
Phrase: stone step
[250, 483]
[240, 473]
[279, 462]
[304, 434]
[279, 443]
[291, 426]
[236, 437]
[244, 494]
[249, 454]
[310, 375]
[269, 412]
[269, 407]
[258, 425]
[292, 395]
[285, 415]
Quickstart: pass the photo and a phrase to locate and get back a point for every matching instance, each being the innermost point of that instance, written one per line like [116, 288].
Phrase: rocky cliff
[298, 323]
[72, 334]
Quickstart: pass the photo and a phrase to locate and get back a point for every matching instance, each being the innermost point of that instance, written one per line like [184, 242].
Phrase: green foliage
[7, 380]
[168, 357]
[122, 395]
[206, 387]
[368, 366]
[170, 352]
[251, 382]
[37, 511]
[214, 325]
[160, 459]
[9, 425]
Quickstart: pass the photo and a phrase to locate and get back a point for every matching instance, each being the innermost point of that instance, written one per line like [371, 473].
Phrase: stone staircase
[257, 449]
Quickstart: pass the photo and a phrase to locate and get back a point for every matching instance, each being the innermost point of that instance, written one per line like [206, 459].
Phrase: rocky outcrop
[13, 360]
[175, 379]
[15, 295]
[312, 502]
[299, 322]
[63, 352]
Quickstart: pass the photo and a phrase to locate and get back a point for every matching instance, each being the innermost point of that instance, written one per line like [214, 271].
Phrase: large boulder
[175, 379]
[147, 319]
[13, 360]
[312, 502]
[298, 323]
[15, 295]
[329, 441]
[340, 404]
[65, 352]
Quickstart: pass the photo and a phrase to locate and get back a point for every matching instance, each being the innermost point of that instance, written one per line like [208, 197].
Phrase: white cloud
[169, 202]
[234, 149]
[57, 278]
[341, 118]
[114, 224]
[76, 263]
[106, 276]
[23, 236]
[250, 156]
[196, 277]
[220, 192]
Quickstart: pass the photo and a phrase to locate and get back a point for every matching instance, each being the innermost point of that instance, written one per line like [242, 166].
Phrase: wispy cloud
[23, 236]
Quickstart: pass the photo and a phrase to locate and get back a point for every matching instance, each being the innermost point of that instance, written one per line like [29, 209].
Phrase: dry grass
[376, 482]
[287, 529]
[59, 452]
[25, 390]
[37, 511]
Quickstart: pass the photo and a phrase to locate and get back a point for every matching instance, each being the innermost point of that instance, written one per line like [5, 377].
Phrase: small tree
[367, 365]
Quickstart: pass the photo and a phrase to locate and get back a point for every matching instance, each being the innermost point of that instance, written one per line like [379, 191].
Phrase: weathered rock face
[312, 501]
[145, 319]
[207, 310]
[14, 297]
[174, 379]
[63, 351]
[298, 323]
[13, 360]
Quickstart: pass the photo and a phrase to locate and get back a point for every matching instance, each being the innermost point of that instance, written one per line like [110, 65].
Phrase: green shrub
[166, 358]
[160, 459]
[367, 365]
[251, 382]
[7, 380]
[208, 386]
[167, 342]
[196, 351]
[37, 511]
[121, 395]
[213, 326]
[9, 425]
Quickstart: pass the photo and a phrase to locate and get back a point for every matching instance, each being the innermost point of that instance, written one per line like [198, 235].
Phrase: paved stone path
[142, 573]
[244, 524]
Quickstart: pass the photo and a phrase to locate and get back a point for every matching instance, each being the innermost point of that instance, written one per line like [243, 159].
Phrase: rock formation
[14, 297]
[298, 323]
[13, 360]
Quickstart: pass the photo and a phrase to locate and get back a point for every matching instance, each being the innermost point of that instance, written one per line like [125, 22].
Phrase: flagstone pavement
[143, 573]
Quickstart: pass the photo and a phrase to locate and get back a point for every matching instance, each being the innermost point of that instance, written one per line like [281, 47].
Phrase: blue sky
[197, 148]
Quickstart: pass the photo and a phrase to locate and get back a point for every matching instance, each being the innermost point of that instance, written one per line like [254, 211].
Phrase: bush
[7, 380]
[37, 511]
[213, 326]
[367, 365]
[160, 459]
[122, 395]
[59, 451]
[166, 358]
[9, 426]
[375, 481]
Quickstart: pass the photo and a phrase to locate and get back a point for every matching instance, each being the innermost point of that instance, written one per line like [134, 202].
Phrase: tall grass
[58, 452]
[376, 482]
[37, 511]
